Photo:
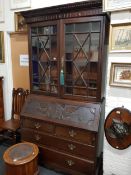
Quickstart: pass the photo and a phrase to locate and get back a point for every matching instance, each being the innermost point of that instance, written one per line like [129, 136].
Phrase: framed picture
[20, 24]
[120, 38]
[120, 74]
[17, 4]
[2, 56]
[114, 5]
[1, 10]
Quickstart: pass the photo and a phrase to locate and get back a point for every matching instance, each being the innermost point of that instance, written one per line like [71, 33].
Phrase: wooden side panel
[19, 46]
[1, 100]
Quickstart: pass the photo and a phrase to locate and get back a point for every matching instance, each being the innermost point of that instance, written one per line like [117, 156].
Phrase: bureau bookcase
[63, 114]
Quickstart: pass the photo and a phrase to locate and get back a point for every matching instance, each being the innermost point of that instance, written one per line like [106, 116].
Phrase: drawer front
[69, 147]
[37, 125]
[79, 135]
[70, 164]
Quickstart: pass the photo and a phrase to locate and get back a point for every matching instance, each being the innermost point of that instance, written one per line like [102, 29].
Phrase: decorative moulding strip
[63, 16]
[64, 11]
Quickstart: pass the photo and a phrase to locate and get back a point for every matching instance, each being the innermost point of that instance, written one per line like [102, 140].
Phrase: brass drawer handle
[72, 133]
[70, 162]
[37, 137]
[37, 125]
[71, 147]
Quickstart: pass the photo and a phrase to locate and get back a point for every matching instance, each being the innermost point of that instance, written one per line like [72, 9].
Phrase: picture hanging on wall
[120, 38]
[115, 5]
[1, 10]
[17, 4]
[20, 24]
[2, 47]
[120, 74]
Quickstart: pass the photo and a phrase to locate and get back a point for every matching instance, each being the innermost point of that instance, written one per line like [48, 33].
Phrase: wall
[115, 162]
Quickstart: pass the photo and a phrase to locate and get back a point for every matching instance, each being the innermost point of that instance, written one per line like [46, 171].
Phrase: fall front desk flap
[59, 110]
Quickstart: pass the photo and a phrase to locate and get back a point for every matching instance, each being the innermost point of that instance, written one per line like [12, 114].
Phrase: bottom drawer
[65, 163]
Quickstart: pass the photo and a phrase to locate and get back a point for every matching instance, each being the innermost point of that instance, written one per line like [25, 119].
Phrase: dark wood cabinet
[67, 50]
[64, 112]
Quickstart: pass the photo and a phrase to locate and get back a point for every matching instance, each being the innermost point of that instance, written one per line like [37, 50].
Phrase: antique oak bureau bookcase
[63, 113]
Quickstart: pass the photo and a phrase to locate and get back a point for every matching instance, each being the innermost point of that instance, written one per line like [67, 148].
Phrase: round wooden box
[21, 159]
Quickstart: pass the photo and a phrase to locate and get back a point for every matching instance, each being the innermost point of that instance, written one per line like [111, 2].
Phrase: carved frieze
[71, 10]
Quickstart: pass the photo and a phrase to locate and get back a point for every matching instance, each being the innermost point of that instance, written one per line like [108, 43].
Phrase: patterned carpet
[43, 171]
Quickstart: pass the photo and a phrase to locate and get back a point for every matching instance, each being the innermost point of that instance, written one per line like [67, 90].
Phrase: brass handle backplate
[72, 133]
[70, 162]
[37, 137]
[71, 147]
[37, 125]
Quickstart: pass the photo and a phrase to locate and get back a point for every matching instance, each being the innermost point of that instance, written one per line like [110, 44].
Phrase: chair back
[19, 96]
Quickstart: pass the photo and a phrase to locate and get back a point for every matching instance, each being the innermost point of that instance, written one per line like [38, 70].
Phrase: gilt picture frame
[18, 4]
[120, 37]
[115, 5]
[120, 75]
[20, 24]
[2, 55]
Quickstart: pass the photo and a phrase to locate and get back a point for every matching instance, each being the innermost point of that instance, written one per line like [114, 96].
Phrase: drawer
[70, 164]
[75, 134]
[70, 147]
[37, 125]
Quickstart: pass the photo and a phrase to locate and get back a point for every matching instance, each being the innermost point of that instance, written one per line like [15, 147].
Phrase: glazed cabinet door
[81, 58]
[44, 58]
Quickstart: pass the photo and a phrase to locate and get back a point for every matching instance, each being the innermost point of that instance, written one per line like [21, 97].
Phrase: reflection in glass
[81, 58]
[44, 59]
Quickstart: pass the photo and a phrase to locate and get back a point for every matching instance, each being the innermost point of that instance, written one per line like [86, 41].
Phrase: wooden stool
[21, 159]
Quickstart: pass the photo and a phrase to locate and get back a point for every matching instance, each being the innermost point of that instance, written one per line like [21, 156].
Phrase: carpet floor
[43, 171]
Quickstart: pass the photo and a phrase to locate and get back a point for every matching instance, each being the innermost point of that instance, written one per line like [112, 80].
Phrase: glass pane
[69, 28]
[34, 48]
[53, 42]
[69, 41]
[35, 75]
[41, 30]
[53, 69]
[53, 30]
[46, 30]
[33, 31]
[82, 27]
[44, 48]
[44, 59]
[81, 46]
[94, 50]
[95, 27]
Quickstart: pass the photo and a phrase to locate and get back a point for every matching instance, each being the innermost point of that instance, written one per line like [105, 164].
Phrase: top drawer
[37, 125]
[79, 135]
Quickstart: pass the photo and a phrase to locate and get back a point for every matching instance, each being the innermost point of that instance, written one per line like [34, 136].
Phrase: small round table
[21, 159]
